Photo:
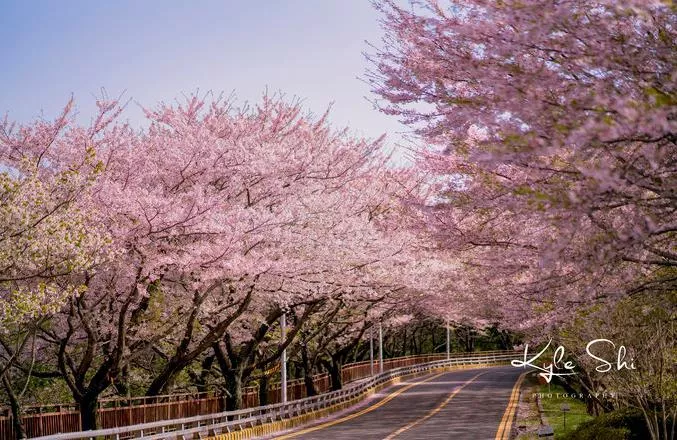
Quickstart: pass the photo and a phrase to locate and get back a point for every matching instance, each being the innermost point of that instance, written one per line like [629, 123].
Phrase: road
[458, 405]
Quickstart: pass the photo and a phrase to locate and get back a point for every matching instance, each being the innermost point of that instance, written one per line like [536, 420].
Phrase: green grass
[552, 410]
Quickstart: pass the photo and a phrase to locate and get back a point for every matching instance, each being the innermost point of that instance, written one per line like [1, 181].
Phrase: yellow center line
[503, 432]
[359, 413]
[434, 410]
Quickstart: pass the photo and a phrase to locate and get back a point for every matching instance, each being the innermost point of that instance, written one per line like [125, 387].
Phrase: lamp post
[448, 353]
[380, 347]
[371, 351]
[283, 367]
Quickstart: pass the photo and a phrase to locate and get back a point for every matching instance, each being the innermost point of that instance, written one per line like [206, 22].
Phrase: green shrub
[623, 424]
[594, 432]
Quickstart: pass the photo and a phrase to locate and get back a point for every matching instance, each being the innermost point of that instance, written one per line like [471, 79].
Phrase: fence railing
[296, 388]
[117, 412]
[230, 421]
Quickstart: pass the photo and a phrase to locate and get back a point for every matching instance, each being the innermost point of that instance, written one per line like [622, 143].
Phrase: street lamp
[283, 361]
[371, 351]
[448, 352]
[380, 347]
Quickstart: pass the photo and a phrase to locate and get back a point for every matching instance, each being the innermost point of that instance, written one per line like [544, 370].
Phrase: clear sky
[157, 50]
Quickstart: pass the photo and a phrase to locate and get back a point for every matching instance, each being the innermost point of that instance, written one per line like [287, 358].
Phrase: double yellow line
[359, 413]
[503, 432]
[383, 402]
[434, 411]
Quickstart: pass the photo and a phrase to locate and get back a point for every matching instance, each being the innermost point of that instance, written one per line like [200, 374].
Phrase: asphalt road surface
[458, 405]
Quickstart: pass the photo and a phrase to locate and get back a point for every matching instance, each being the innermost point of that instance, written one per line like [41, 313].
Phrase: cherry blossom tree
[553, 131]
[47, 172]
[644, 326]
[45, 230]
[221, 219]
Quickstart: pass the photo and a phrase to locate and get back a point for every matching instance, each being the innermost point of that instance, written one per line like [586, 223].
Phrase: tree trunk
[200, 380]
[307, 372]
[233, 373]
[121, 383]
[161, 380]
[263, 390]
[15, 406]
[414, 343]
[88, 406]
[234, 388]
[334, 368]
[310, 385]
[468, 339]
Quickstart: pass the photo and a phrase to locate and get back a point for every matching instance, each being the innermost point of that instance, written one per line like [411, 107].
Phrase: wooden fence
[52, 419]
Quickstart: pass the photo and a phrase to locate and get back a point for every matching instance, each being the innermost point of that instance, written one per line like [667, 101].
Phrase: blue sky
[157, 50]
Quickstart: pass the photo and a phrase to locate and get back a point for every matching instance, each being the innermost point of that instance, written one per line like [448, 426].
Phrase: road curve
[463, 404]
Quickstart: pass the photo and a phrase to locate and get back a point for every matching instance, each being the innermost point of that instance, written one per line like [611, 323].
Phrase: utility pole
[371, 351]
[380, 347]
[283, 367]
[448, 353]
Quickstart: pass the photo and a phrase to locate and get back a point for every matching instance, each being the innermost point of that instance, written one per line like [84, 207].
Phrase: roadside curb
[508, 419]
